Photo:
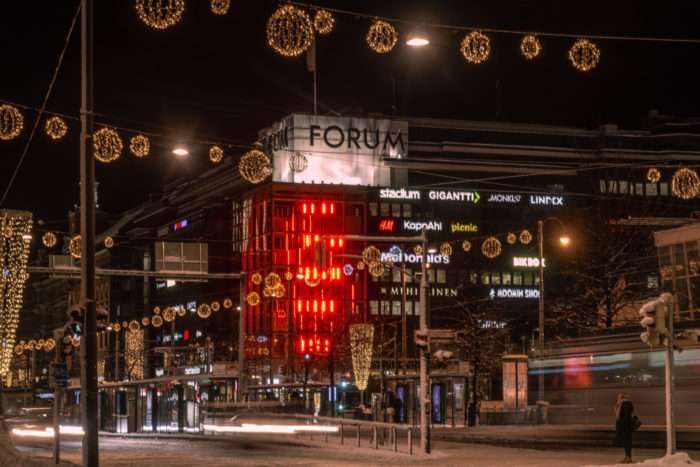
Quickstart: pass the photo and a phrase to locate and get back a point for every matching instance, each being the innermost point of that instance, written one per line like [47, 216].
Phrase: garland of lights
[216, 154]
[133, 354]
[254, 166]
[160, 14]
[584, 55]
[289, 31]
[381, 37]
[466, 245]
[46, 344]
[491, 247]
[530, 46]
[445, 249]
[74, 247]
[109, 242]
[107, 145]
[525, 237]
[475, 47]
[11, 122]
[49, 239]
[220, 7]
[361, 346]
[298, 162]
[204, 311]
[653, 175]
[139, 145]
[418, 250]
[14, 251]
[511, 238]
[56, 128]
[324, 22]
[253, 299]
[156, 310]
[685, 183]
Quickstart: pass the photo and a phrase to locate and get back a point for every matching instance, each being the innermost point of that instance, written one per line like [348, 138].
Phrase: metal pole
[172, 348]
[56, 425]
[88, 348]
[424, 362]
[403, 314]
[670, 384]
[33, 377]
[116, 356]
[241, 340]
[541, 315]
[288, 340]
[209, 368]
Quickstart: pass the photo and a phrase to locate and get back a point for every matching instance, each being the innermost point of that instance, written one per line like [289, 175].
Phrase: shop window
[373, 209]
[431, 276]
[527, 278]
[485, 278]
[385, 304]
[624, 187]
[373, 307]
[506, 278]
[406, 210]
[408, 275]
[495, 278]
[441, 276]
[612, 186]
[384, 209]
[639, 189]
[663, 189]
[536, 279]
[395, 275]
[652, 189]
[416, 308]
[396, 308]
[409, 308]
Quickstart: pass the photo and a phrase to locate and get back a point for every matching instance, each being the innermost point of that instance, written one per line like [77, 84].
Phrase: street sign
[58, 375]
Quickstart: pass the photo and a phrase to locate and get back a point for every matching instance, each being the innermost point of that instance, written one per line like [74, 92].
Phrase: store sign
[454, 195]
[528, 262]
[193, 370]
[386, 225]
[434, 291]
[428, 225]
[514, 292]
[400, 193]
[457, 227]
[546, 200]
[413, 258]
[504, 198]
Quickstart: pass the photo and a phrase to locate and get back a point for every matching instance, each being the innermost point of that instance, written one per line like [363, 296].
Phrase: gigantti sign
[339, 150]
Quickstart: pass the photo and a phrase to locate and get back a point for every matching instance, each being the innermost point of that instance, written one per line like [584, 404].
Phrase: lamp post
[564, 240]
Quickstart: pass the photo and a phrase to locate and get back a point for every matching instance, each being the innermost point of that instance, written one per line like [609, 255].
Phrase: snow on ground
[12, 457]
[677, 459]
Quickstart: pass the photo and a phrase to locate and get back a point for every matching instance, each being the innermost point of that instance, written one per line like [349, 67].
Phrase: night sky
[213, 78]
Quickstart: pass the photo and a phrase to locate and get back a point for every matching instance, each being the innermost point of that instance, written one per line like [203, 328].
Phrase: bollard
[410, 441]
[341, 433]
[358, 435]
[396, 439]
[374, 436]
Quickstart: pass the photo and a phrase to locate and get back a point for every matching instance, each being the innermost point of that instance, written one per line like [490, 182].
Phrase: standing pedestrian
[624, 411]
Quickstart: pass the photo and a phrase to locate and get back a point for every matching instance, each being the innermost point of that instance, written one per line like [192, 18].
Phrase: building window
[385, 307]
[652, 282]
[663, 189]
[485, 278]
[431, 276]
[395, 275]
[495, 278]
[506, 278]
[536, 278]
[416, 308]
[602, 186]
[396, 308]
[527, 278]
[473, 277]
[441, 276]
[409, 308]
[373, 209]
[612, 186]
[384, 209]
[395, 210]
[373, 307]
[406, 210]
[385, 275]
[639, 189]
[624, 188]
[408, 275]
[652, 189]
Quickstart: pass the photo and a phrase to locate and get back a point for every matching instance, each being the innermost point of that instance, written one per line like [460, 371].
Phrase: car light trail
[48, 432]
[279, 429]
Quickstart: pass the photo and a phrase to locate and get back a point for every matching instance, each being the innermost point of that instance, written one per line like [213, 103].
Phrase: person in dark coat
[624, 411]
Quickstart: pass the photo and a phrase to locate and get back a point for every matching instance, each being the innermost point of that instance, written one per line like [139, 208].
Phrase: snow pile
[677, 459]
[11, 457]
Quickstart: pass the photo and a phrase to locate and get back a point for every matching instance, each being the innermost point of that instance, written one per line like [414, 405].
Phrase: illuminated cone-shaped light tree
[15, 227]
[361, 345]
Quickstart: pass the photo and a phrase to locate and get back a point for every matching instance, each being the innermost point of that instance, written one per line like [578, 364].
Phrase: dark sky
[214, 78]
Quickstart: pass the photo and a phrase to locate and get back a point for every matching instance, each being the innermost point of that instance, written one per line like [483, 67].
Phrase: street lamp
[564, 241]
[417, 38]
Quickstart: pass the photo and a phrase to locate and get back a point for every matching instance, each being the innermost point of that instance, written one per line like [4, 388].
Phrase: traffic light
[320, 256]
[420, 338]
[654, 321]
[76, 320]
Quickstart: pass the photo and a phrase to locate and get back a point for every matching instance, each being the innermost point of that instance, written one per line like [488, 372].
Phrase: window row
[507, 278]
[393, 307]
[394, 275]
[624, 187]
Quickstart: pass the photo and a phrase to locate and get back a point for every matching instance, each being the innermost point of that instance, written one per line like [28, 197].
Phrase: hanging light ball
[252, 166]
[253, 299]
[288, 276]
[371, 255]
[145, 321]
[125, 325]
[256, 278]
[360, 265]
[7, 231]
[381, 37]
[160, 14]
[279, 290]
[74, 247]
[216, 154]
[530, 46]
[312, 282]
[134, 325]
[181, 311]
[324, 22]
[204, 311]
[376, 269]
[50, 344]
[584, 55]
[227, 303]
[106, 145]
[139, 145]
[75, 342]
[215, 306]
[49, 239]
[11, 122]
[56, 128]
[298, 162]
[272, 279]
[511, 238]
[445, 249]
[348, 269]
[169, 314]
[117, 327]
[220, 7]
[685, 183]
[475, 47]
[19, 348]
[157, 321]
[491, 247]
[109, 242]
[156, 310]
[653, 175]
[31, 344]
[418, 250]
[267, 292]
[466, 245]
[525, 237]
[289, 31]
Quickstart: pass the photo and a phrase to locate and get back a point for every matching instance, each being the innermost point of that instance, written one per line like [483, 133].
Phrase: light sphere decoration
[252, 166]
[31, 344]
[106, 145]
[361, 345]
[381, 37]
[56, 128]
[74, 247]
[525, 237]
[360, 265]
[267, 292]
[40, 343]
[145, 321]
[49, 239]
[685, 183]
[324, 22]
[50, 344]
[653, 175]
[220, 7]
[19, 348]
[109, 242]
[418, 250]
[279, 290]
[475, 47]
[491, 247]
[160, 14]
[298, 162]
[348, 269]
[511, 238]
[584, 55]
[215, 306]
[253, 299]
[139, 146]
[288, 276]
[125, 325]
[466, 245]
[117, 327]
[204, 311]
[169, 314]
[376, 269]
[228, 303]
[289, 31]
[157, 321]
[181, 311]
[312, 282]
[134, 325]
[530, 46]
[256, 278]
[216, 154]
[445, 249]
[156, 310]
[371, 255]
[11, 122]
[272, 279]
